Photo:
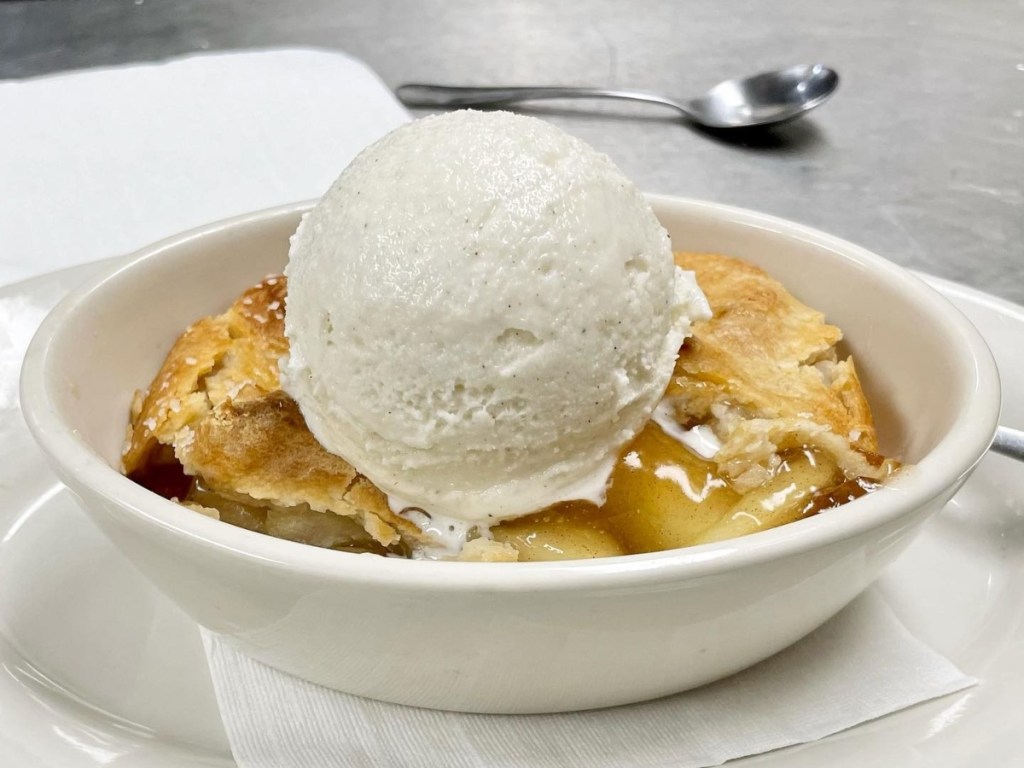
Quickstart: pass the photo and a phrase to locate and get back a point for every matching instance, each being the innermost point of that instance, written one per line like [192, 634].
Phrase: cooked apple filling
[762, 424]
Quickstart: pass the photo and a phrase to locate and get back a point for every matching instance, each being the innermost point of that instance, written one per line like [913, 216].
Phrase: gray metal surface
[919, 156]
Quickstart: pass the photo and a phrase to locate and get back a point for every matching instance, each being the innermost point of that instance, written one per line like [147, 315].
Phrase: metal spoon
[764, 99]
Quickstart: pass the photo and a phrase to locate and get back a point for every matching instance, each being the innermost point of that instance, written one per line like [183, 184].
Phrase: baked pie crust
[215, 432]
[764, 373]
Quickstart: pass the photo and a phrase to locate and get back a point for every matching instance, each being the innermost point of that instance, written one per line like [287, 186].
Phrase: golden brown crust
[228, 356]
[216, 400]
[764, 371]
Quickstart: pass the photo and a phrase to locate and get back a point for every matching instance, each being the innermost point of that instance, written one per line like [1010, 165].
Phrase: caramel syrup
[663, 496]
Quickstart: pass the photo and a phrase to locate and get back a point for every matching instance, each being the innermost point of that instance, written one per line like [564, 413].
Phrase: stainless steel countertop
[919, 156]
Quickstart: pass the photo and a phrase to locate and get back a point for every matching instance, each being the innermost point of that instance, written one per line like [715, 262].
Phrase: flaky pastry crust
[216, 402]
[763, 372]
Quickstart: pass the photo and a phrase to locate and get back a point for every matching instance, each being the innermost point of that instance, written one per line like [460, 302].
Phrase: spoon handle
[425, 95]
[1009, 442]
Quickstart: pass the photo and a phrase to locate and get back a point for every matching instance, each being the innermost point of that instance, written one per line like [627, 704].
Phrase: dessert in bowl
[761, 423]
[470, 358]
[515, 636]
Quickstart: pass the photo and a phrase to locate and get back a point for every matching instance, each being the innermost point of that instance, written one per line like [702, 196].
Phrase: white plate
[98, 668]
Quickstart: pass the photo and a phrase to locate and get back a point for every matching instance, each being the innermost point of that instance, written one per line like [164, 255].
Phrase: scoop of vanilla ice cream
[482, 311]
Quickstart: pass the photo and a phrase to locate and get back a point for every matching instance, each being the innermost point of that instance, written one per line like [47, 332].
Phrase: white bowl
[514, 637]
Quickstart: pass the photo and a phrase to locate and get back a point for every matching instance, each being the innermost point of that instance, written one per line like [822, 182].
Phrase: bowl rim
[943, 468]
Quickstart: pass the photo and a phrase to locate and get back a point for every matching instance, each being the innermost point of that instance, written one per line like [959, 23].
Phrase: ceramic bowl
[514, 637]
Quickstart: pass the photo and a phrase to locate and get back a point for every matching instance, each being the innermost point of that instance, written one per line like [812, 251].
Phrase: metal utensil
[764, 99]
[1009, 442]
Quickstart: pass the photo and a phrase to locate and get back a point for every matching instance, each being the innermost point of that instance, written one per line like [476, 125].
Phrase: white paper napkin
[102, 162]
[861, 665]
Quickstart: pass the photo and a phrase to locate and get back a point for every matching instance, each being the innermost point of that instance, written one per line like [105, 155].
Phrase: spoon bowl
[763, 99]
[768, 98]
